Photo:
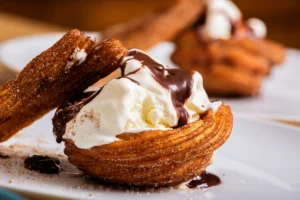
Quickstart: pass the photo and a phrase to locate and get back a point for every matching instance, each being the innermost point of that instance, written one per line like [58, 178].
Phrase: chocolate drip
[68, 111]
[205, 180]
[178, 82]
[43, 164]
[201, 20]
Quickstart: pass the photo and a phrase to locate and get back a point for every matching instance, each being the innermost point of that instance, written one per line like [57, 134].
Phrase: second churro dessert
[153, 126]
[233, 55]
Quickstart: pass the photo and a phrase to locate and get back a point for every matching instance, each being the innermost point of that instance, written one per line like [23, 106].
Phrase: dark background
[281, 16]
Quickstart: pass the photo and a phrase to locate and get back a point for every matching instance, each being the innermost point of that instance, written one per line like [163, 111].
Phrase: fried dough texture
[156, 158]
[68, 67]
[234, 67]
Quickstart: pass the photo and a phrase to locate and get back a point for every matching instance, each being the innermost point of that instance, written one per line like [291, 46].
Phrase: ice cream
[78, 57]
[258, 27]
[223, 18]
[219, 15]
[147, 96]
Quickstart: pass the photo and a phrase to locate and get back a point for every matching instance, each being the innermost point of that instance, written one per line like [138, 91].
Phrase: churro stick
[272, 51]
[160, 25]
[238, 56]
[69, 66]
[237, 82]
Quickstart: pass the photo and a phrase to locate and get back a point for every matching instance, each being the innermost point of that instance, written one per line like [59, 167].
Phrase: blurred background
[281, 16]
[25, 17]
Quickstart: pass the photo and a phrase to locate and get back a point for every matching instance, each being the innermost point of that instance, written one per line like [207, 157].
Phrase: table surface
[14, 26]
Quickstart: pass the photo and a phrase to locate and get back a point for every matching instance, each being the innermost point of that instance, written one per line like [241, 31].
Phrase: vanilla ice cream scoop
[223, 18]
[147, 96]
[258, 27]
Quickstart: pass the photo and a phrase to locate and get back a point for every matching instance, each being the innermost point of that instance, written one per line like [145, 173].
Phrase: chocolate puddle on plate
[205, 180]
[42, 164]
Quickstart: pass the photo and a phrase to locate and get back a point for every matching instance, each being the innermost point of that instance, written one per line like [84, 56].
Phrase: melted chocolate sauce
[178, 82]
[205, 180]
[3, 156]
[68, 111]
[201, 20]
[43, 164]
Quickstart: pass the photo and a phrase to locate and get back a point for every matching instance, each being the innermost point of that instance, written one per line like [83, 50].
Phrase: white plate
[18, 52]
[279, 97]
[259, 161]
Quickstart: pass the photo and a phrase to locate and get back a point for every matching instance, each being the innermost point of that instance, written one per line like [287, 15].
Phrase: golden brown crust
[156, 158]
[229, 67]
[160, 25]
[53, 77]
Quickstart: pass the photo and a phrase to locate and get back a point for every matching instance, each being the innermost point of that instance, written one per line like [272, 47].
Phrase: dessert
[68, 67]
[232, 55]
[159, 25]
[153, 126]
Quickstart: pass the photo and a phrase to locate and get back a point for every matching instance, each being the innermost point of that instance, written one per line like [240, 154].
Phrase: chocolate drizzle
[205, 180]
[43, 164]
[68, 111]
[178, 82]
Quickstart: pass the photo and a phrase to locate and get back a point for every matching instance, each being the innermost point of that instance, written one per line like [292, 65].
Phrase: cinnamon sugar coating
[234, 67]
[156, 158]
[53, 77]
